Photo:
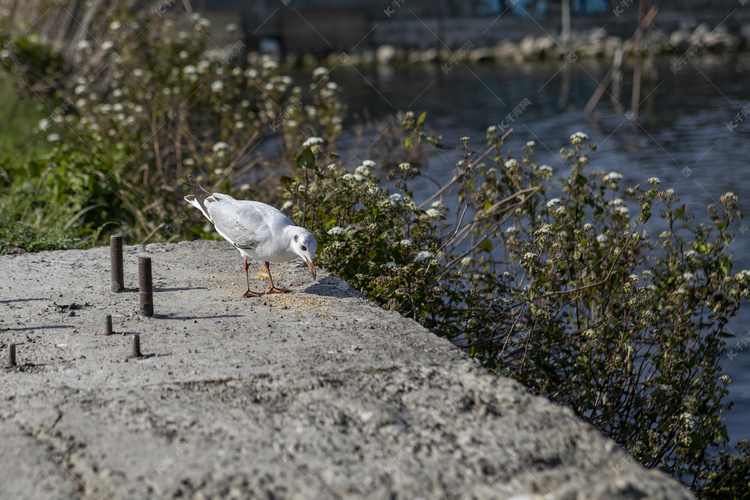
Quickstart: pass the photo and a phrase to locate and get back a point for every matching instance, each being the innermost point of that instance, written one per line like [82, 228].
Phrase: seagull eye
[304, 248]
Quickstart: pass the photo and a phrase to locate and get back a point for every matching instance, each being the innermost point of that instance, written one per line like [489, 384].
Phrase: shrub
[556, 283]
[127, 128]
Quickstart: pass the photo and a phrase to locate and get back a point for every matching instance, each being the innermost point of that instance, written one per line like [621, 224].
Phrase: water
[691, 134]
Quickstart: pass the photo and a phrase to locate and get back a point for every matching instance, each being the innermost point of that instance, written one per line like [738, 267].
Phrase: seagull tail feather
[198, 197]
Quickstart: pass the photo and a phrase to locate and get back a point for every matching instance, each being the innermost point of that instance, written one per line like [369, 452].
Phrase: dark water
[691, 134]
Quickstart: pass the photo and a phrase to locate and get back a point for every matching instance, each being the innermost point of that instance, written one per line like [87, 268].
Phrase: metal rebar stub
[136, 346]
[145, 287]
[12, 354]
[115, 250]
[108, 324]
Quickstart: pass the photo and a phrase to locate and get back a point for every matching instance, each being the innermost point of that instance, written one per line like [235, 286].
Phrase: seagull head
[304, 245]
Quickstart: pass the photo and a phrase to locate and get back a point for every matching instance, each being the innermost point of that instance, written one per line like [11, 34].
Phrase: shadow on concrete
[178, 289]
[169, 316]
[20, 300]
[331, 286]
[35, 328]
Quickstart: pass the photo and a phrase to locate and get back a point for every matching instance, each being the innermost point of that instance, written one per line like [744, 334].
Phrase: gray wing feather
[239, 222]
[242, 234]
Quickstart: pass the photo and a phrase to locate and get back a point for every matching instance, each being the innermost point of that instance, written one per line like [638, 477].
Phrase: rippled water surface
[691, 133]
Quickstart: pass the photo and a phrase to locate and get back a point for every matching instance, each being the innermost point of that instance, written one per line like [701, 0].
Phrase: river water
[693, 133]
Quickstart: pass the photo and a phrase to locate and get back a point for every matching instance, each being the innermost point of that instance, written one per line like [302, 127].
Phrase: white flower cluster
[220, 147]
[336, 230]
[728, 197]
[742, 277]
[545, 229]
[613, 177]
[270, 64]
[619, 206]
[365, 169]
[312, 141]
[578, 138]
[320, 71]
[423, 255]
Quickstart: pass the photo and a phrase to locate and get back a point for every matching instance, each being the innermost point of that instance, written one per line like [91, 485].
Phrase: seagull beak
[310, 267]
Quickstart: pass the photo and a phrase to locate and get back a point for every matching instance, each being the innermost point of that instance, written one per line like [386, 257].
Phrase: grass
[19, 119]
[20, 140]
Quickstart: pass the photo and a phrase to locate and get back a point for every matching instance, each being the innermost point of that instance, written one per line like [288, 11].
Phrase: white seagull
[257, 230]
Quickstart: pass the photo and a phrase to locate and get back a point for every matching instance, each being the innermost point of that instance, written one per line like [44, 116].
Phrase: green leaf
[421, 118]
[725, 264]
[704, 248]
[679, 213]
[306, 159]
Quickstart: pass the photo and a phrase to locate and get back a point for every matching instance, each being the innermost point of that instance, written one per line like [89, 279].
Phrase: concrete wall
[317, 393]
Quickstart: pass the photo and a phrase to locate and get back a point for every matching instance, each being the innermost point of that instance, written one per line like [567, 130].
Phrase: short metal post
[115, 250]
[145, 287]
[108, 325]
[12, 354]
[136, 345]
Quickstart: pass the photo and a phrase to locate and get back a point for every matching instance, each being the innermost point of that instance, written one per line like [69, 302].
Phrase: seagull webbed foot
[273, 289]
[250, 294]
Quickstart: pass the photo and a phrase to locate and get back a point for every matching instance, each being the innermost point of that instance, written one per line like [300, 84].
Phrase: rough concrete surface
[314, 394]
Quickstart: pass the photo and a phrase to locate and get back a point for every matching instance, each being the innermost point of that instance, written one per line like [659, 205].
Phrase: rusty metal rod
[115, 250]
[145, 286]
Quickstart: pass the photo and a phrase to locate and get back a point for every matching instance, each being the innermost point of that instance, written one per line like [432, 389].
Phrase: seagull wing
[239, 222]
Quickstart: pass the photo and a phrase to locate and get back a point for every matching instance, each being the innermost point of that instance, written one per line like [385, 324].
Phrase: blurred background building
[324, 26]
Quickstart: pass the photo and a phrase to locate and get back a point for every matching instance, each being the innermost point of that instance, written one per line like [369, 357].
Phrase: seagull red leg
[273, 289]
[248, 293]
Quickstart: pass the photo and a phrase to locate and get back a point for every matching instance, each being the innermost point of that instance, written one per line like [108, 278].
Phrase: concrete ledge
[315, 394]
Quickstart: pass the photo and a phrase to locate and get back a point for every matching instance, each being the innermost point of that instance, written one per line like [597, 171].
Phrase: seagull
[257, 230]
